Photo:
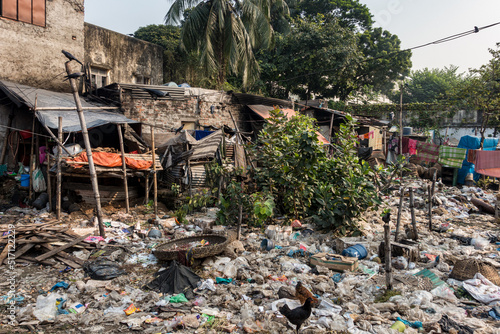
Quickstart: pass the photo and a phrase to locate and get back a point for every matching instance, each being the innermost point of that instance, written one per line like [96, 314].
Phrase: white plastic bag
[38, 181]
[46, 308]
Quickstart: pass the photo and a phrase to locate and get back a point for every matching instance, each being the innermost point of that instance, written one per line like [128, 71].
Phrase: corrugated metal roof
[251, 99]
[51, 104]
[206, 147]
[263, 111]
[137, 91]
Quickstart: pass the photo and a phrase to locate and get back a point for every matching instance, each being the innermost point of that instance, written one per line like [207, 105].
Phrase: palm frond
[177, 9]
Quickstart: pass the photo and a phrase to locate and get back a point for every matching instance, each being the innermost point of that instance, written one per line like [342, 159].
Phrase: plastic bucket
[357, 250]
[25, 180]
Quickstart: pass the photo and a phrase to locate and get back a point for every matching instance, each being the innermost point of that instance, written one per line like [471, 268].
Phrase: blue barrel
[357, 250]
[25, 180]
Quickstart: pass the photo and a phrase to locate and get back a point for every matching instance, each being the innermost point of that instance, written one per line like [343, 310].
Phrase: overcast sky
[416, 22]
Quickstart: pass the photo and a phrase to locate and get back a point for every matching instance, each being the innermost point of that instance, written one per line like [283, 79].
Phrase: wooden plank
[68, 262]
[27, 259]
[64, 255]
[21, 251]
[4, 253]
[57, 250]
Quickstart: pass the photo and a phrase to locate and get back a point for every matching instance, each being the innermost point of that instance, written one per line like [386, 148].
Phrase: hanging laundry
[412, 146]
[471, 156]
[488, 163]
[451, 156]
[427, 152]
[406, 140]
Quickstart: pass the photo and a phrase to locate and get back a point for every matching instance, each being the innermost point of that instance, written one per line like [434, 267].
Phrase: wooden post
[124, 166]
[59, 177]
[32, 159]
[430, 206]
[85, 133]
[238, 134]
[388, 265]
[434, 176]
[49, 184]
[330, 131]
[7, 133]
[398, 223]
[240, 218]
[147, 187]
[413, 220]
[190, 173]
[155, 179]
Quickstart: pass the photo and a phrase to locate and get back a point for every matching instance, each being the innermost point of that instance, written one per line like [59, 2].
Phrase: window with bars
[29, 11]
[99, 77]
[141, 79]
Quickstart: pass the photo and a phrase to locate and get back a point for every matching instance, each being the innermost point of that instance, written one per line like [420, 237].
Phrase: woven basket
[169, 251]
[466, 269]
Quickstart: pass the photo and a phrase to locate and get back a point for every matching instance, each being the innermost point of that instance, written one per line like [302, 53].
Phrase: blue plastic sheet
[473, 143]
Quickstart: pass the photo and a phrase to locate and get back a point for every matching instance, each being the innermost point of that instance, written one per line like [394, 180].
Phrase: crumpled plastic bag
[102, 269]
[46, 306]
[39, 184]
[483, 290]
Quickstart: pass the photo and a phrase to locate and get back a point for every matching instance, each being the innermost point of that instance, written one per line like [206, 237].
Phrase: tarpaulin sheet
[473, 143]
[111, 160]
[175, 279]
[71, 121]
[49, 107]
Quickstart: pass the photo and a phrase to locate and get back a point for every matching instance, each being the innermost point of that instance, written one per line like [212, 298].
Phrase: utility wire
[439, 41]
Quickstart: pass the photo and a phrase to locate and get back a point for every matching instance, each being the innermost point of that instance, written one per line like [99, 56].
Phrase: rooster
[298, 315]
[301, 293]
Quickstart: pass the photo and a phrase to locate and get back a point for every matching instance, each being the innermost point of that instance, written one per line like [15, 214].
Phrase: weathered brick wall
[31, 54]
[169, 114]
[123, 55]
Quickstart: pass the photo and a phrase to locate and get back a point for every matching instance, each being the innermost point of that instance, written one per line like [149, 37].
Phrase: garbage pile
[446, 281]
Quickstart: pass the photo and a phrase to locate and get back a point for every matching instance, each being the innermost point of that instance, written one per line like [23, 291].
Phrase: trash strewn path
[241, 289]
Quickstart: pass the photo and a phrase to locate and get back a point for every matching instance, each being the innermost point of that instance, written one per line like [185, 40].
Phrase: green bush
[296, 170]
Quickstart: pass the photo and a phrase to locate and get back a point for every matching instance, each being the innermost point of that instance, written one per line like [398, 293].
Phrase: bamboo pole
[413, 220]
[430, 206]
[49, 181]
[124, 166]
[58, 142]
[398, 223]
[32, 158]
[388, 265]
[155, 179]
[434, 176]
[147, 187]
[59, 176]
[85, 133]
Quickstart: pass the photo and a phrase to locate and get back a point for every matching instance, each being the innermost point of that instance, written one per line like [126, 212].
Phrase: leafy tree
[430, 85]
[351, 14]
[383, 63]
[178, 66]
[225, 33]
[481, 91]
[311, 59]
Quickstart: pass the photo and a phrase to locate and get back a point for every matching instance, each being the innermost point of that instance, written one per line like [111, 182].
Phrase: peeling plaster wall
[31, 55]
[169, 114]
[123, 55]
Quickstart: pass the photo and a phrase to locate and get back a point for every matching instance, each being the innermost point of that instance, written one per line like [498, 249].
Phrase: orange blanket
[111, 160]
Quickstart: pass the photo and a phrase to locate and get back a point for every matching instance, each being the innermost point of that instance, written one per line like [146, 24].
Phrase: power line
[439, 41]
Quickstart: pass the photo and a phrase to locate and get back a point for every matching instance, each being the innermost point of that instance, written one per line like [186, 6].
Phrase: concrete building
[34, 33]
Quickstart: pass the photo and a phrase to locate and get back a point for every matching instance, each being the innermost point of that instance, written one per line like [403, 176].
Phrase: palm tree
[225, 33]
